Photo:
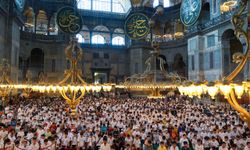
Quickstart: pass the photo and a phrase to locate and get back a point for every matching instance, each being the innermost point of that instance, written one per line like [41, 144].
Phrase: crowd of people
[112, 123]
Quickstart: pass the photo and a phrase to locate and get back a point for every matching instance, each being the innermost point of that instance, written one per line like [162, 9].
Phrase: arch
[98, 39]
[179, 65]
[101, 28]
[36, 63]
[119, 30]
[205, 13]
[118, 40]
[102, 31]
[85, 28]
[230, 46]
[80, 38]
[85, 35]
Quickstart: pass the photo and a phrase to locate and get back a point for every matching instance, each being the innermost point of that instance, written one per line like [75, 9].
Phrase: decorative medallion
[190, 11]
[69, 20]
[20, 4]
[136, 26]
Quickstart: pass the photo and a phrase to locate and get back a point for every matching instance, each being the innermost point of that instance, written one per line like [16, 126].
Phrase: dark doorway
[205, 13]
[179, 65]
[36, 62]
[230, 46]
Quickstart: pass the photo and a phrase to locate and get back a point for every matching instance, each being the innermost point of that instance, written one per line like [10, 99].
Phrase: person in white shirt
[129, 140]
[234, 147]
[24, 144]
[20, 132]
[1, 142]
[223, 146]
[30, 135]
[214, 143]
[34, 144]
[105, 145]
[110, 140]
[174, 146]
[80, 140]
[183, 139]
[247, 147]
[137, 141]
[65, 140]
[8, 145]
[74, 140]
[199, 145]
[17, 145]
[4, 132]
[46, 145]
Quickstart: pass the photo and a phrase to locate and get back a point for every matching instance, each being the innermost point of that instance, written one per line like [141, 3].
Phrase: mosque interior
[119, 39]
[108, 55]
[125, 44]
[32, 42]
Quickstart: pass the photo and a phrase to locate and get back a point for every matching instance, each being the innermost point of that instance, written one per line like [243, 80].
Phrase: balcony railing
[169, 43]
[63, 38]
[226, 17]
[43, 38]
[103, 14]
[105, 46]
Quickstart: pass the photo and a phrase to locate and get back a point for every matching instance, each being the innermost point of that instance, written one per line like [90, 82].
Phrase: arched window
[117, 6]
[118, 40]
[102, 31]
[98, 39]
[156, 3]
[84, 4]
[119, 30]
[80, 38]
[85, 34]
[101, 28]
[169, 3]
[166, 3]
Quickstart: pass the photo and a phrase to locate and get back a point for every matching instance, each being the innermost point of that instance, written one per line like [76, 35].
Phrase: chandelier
[72, 88]
[153, 79]
[228, 6]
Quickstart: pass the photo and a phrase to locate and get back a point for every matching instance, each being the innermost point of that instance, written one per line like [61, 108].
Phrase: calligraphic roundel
[190, 11]
[69, 20]
[136, 26]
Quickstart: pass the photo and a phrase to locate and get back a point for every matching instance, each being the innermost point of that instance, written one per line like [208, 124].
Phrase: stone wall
[2, 35]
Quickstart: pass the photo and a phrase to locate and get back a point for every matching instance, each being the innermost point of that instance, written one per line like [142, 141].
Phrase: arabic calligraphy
[136, 26]
[68, 20]
[190, 11]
